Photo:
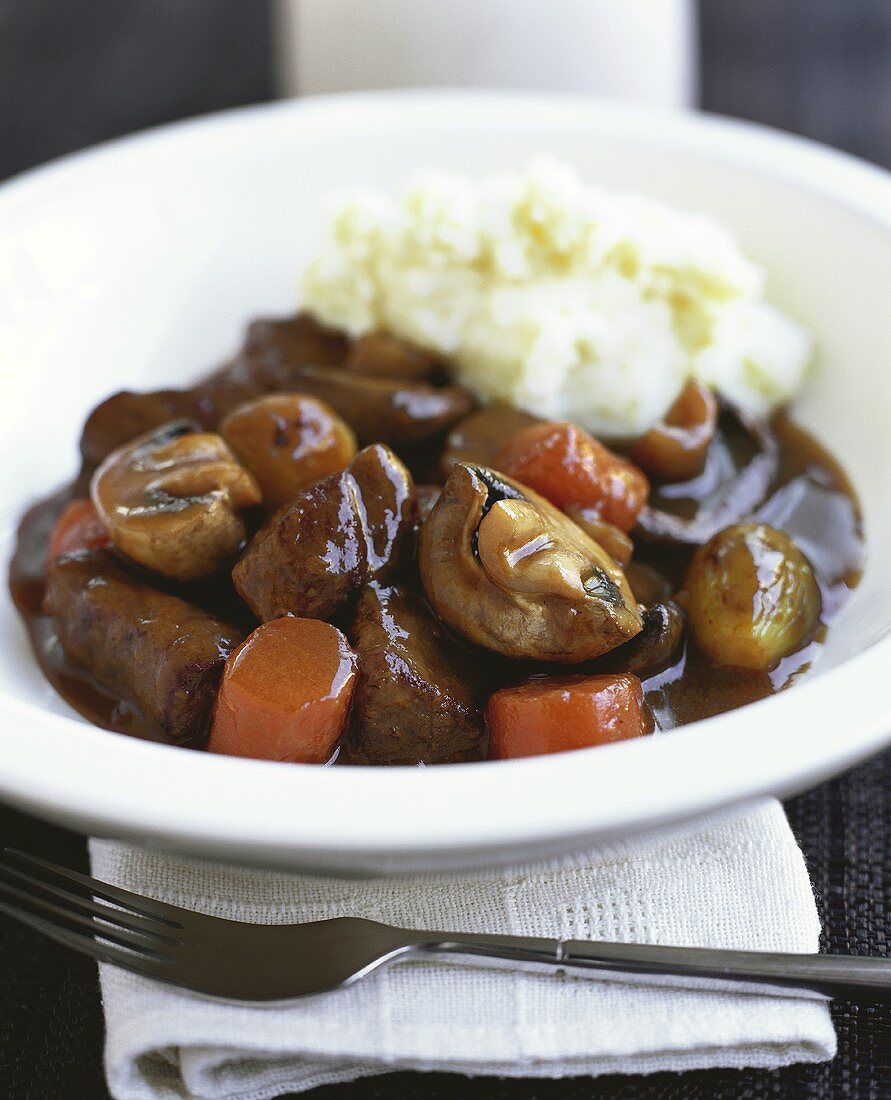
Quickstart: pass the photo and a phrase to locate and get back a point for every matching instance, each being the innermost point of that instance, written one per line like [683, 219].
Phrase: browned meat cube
[315, 553]
[385, 410]
[272, 354]
[272, 351]
[480, 436]
[125, 415]
[155, 649]
[380, 355]
[418, 697]
[289, 342]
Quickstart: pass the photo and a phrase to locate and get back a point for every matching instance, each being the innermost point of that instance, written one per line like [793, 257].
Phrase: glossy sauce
[27, 585]
[811, 499]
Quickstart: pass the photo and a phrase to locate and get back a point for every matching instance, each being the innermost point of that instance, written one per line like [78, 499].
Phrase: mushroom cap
[171, 498]
[510, 572]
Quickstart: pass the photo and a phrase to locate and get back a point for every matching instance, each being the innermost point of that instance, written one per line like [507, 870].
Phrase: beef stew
[461, 554]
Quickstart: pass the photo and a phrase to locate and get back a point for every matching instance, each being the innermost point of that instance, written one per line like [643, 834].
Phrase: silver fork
[235, 961]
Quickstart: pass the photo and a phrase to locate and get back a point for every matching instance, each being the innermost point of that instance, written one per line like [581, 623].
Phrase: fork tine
[87, 905]
[147, 907]
[136, 941]
[147, 966]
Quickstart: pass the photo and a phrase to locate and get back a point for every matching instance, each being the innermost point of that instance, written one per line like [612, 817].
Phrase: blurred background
[74, 73]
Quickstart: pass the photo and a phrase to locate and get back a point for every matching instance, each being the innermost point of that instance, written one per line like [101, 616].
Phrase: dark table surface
[73, 74]
[51, 1019]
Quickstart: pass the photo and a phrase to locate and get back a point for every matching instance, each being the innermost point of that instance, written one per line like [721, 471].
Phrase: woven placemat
[51, 1019]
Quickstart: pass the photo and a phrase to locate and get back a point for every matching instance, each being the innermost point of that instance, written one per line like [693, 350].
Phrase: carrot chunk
[77, 528]
[567, 712]
[571, 468]
[285, 693]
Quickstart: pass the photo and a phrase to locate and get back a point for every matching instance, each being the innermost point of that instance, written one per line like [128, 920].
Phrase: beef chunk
[273, 351]
[418, 697]
[479, 437]
[290, 342]
[386, 410]
[381, 355]
[314, 554]
[125, 415]
[155, 649]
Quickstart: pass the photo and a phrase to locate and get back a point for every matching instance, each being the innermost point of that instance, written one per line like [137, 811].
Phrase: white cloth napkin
[736, 879]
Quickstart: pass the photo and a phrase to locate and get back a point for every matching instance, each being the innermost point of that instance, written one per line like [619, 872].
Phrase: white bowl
[138, 264]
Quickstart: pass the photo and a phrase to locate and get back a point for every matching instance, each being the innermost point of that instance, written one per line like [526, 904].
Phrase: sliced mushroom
[385, 410]
[380, 355]
[428, 495]
[171, 500]
[419, 697]
[314, 554]
[658, 646]
[740, 466]
[480, 436]
[507, 570]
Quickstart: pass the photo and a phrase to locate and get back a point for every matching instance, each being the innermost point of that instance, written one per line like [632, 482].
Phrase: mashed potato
[567, 300]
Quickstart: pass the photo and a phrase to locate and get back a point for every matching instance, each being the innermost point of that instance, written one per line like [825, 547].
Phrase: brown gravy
[811, 499]
[26, 583]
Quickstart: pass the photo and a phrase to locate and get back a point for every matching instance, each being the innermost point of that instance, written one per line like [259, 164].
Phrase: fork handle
[849, 977]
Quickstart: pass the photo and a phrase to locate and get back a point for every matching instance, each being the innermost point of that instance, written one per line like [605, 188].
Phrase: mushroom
[385, 410]
[509, 571]
[658, 646]
[613, 539]
[314, 554]
[171, 500]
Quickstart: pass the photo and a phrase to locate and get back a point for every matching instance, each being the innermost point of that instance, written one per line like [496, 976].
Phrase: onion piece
[734, 500]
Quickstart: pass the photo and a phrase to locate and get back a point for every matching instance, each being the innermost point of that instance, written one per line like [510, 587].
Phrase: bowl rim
[470, 810]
